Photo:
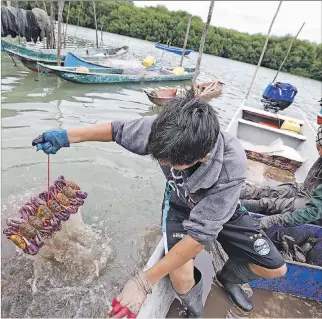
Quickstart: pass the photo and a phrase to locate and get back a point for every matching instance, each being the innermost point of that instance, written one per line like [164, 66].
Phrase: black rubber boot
[230, 277]
[192, 300]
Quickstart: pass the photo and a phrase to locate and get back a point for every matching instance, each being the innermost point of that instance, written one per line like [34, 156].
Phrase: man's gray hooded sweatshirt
[211, 192]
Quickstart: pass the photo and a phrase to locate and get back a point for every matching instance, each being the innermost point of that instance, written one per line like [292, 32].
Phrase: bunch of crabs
[41, 217]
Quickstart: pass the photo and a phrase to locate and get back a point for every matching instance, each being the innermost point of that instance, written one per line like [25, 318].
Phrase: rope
[263, 51]
[48, 177]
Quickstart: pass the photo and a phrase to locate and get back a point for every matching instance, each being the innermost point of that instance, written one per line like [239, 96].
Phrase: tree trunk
[60, 14]
[66, 24]
[95, 21]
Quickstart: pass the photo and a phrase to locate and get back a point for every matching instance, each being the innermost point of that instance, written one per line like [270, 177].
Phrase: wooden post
[185, 40]
[66, 23]
[288, 52]
[78, 16]
[202, 41]
[263, 51]
[101, 44]
[95, 21]
[52, 23]
[60, 14]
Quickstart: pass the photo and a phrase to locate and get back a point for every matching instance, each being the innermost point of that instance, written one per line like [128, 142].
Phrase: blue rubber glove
[50, 142]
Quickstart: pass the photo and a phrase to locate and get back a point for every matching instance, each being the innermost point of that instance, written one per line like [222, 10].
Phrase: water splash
[63, 278]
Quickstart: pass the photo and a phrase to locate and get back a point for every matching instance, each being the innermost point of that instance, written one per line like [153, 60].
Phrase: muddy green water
[84, 266]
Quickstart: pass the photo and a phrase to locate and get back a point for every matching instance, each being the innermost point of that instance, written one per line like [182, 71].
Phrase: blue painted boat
[72, 60]
[110, 75]
[171, 49]
[29, 57]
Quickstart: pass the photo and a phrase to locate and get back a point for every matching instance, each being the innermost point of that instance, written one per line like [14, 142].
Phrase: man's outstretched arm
[132, 135]
[99, 133]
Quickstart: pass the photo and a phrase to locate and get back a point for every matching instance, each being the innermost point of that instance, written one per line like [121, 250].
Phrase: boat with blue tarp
[73, 60]
[172, 49]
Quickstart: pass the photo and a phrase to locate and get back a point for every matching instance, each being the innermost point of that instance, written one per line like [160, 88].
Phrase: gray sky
[255, 16]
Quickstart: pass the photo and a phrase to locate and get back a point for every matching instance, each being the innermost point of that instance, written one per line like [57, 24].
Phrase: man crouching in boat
[205, 170]
[290, 204]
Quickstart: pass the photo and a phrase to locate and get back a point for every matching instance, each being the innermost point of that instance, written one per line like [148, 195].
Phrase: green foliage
[158, 23]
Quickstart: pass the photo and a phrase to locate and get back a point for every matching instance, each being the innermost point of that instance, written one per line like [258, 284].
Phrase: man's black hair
[185, 131]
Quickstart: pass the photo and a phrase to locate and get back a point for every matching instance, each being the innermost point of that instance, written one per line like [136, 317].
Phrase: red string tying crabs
[41, 217]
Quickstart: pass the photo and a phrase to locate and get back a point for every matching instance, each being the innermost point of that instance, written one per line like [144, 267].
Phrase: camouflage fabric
[282, 198]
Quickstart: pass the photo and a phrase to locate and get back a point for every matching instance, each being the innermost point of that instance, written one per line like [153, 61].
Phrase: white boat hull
[158, 303]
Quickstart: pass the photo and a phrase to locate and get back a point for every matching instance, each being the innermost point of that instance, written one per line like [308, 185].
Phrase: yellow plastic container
[148, 61]
[292, 126]
[178, 70]
[82, 69]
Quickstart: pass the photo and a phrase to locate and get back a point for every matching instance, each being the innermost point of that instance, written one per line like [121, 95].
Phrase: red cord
[48, 178]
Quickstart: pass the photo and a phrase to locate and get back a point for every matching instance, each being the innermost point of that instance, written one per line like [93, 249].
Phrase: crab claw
[10, 231]
[24, 212]
[80, 202]
[73, 202]
[39, 241]
[37, 201]
[53, 221]
[31, 249]
[59, 185]
[43, 196]
[15, 222]
[71, 209]
[73, 185]
[31, 204]
[65, 216]
[52, 191]
[81, 195]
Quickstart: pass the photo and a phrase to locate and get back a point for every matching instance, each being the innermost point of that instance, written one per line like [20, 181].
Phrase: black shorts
[241, 239]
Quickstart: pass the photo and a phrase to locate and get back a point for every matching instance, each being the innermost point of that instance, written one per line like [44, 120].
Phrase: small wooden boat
[206, 91]
[30, 57]
[171, 49]
[294, 154]
[105, 76]
[72, 60]
[297, 156]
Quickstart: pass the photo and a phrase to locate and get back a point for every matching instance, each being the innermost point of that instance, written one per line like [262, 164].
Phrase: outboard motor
[278, 96]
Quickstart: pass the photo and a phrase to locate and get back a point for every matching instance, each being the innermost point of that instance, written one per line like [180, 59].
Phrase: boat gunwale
[21, 56]
[53, 57]
[58, 69]
[292, 262]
